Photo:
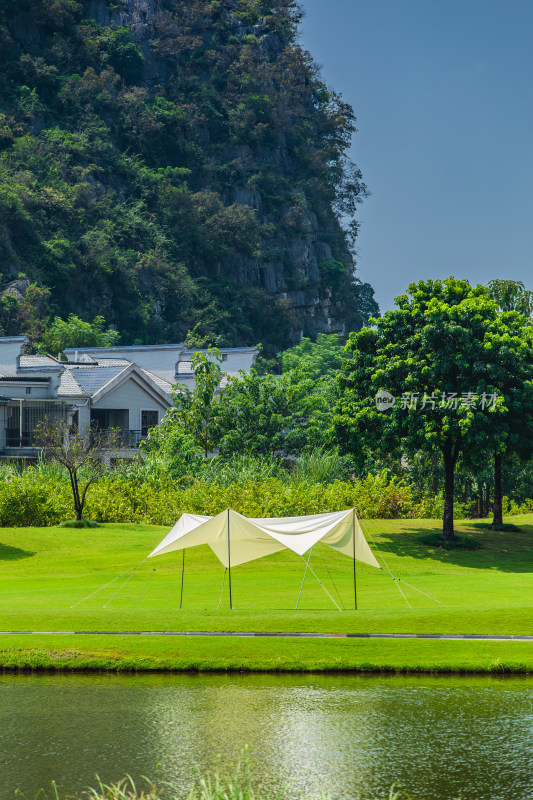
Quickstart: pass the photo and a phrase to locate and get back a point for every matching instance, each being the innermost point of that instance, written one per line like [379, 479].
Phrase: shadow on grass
[8, 553]
[502, 551]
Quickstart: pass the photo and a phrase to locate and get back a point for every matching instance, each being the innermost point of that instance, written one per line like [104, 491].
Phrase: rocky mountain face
[177, 166]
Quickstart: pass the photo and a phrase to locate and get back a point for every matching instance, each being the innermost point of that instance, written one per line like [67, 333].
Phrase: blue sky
[443, 94]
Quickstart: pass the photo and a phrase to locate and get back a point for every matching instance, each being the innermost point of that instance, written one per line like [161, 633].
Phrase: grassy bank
[49, 575]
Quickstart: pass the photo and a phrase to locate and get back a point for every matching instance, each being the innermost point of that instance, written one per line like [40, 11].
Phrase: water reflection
[352, 735]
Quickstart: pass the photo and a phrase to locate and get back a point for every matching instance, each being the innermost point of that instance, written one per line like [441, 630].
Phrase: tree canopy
[458, 370]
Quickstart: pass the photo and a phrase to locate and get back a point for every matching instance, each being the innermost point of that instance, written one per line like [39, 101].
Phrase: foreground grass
[49, 575]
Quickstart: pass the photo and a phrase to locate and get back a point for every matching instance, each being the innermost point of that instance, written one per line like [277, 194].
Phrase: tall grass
[321, 466]
[243, 468]
[238, 786]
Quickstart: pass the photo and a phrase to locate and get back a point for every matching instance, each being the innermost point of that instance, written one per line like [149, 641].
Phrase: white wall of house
[17, 389]
[10, 348]
[171, 361]
[233, 359]
[131, 395]
[160, 358]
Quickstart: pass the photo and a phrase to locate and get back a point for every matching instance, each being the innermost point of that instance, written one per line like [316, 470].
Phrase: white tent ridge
[236, 539]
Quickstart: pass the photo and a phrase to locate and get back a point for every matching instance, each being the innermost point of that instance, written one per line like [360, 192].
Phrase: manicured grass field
[49, 574]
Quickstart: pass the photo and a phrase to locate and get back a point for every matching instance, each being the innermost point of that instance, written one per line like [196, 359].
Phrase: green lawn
[47, 575]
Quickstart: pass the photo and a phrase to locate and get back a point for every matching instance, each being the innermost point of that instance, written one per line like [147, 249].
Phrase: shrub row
[41, 497]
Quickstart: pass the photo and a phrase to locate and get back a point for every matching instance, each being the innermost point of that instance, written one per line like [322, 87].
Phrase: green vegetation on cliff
[175, 166]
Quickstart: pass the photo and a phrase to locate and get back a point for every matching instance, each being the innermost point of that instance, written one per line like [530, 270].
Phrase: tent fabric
[251, 538]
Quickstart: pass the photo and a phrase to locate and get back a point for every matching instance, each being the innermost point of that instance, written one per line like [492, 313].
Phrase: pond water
[352, 735]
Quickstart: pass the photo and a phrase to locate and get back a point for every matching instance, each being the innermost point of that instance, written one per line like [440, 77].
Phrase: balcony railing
[121, 438]
[129, 439]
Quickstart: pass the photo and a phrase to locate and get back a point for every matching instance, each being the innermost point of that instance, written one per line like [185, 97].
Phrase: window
[148, 420]
[224, 356]
[183, 367]
[28, 389]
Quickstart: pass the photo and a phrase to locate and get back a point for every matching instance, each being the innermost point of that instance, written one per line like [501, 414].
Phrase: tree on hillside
[457, 370]
[75, 332]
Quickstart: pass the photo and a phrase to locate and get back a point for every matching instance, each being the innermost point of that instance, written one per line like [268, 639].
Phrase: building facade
[126, 389]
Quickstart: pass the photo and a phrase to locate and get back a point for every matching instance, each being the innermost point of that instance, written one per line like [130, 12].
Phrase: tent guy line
[470, 637]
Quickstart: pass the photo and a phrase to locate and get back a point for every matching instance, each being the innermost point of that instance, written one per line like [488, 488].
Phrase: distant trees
[459, 373]
[190, 428]
[250, 413]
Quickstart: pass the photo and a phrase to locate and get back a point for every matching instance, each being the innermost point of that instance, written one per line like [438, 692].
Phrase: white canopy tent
[236, 539]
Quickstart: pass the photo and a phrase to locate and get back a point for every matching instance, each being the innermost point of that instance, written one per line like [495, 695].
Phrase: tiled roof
[38, 361]
[113, 362]
[68, 385]
[161, 382]
[92, 379]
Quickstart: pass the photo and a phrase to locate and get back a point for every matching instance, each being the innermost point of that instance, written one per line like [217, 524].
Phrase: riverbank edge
[272, 656]
[95, 670]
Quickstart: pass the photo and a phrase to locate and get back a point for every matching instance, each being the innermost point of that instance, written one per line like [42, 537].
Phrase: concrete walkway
[467, 637]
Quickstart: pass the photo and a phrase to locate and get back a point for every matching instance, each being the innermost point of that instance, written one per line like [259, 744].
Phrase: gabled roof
[142, 378]
[88, 380]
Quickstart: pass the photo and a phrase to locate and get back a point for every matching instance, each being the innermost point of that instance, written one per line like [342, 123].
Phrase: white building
[171, 362]
[126, 388]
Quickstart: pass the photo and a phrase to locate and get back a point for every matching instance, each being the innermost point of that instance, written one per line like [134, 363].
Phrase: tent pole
[354, 579]
[303, 581]
[182, 574]
[229, 568]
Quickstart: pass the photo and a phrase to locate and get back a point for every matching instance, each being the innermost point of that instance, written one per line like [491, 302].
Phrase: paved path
[468, 637]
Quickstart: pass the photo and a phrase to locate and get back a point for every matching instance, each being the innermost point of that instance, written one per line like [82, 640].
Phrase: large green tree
[262, 414]
[458, 369]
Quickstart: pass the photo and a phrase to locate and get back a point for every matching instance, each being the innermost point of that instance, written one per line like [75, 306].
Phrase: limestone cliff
[177, 166]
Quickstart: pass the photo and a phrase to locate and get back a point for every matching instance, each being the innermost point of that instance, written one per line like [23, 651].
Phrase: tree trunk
[449, 458]
[480, 504]
[497, 508]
